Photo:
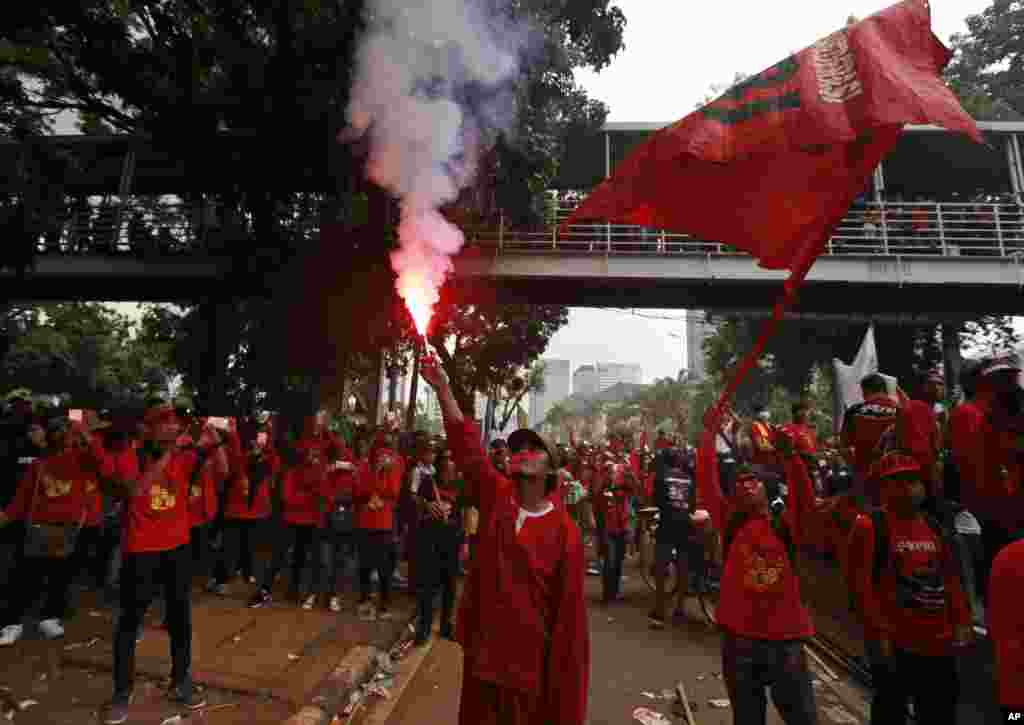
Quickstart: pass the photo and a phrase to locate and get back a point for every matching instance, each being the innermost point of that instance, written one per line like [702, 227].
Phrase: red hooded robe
[522, 619]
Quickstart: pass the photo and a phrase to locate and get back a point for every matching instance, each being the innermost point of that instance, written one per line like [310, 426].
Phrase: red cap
[893, 464]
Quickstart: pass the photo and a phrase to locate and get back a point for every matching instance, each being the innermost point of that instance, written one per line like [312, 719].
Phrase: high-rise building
[609, 374]
[696, 333]
[557, 380]
[585, 380]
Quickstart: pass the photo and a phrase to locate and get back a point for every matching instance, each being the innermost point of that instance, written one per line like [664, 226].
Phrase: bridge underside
[939, 287]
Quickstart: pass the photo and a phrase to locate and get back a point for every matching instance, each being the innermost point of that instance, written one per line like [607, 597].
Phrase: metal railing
[154, 229]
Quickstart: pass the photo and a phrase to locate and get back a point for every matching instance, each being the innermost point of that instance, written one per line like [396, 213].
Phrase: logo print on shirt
[55, 487]
[161, 498]
[764, 570]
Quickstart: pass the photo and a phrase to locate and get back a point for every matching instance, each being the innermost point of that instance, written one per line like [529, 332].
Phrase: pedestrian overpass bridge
[943, 260]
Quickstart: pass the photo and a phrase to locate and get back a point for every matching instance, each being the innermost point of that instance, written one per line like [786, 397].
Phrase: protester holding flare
[522, 621]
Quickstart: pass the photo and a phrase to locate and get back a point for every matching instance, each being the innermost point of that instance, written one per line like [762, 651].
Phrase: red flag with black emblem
[772, 166]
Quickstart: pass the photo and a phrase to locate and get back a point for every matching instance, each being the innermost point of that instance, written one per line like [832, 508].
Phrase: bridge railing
[149, 228]
[919, 228]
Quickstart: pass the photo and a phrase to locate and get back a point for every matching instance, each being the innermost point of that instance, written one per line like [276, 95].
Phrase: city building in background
[696, 333]
[557, 387]
[611, 374]
[584, 380]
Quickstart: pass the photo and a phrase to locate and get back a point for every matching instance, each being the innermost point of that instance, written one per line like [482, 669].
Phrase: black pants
[30, 577]
[92, 554]
[237, 551]
[993, 538]
[144, 577]
[436, 554]
[376, 553]
[337, 551]
[199, 541]
[752, 666]
[615, 555]
[303, 541]
[931, 683]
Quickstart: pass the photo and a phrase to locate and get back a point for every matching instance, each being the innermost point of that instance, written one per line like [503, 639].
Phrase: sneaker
[10, 634]
[980, 630]
[335, 604]
[309, 602]
[261, 598]
[252, 580]
[187, 697]
[51, 628]
[116, 712]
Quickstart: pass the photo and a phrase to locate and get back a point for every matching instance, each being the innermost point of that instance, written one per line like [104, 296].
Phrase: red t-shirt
[386, 486]
[1006, 618]
[804, 437]
[616, 506]
[202, 497]
[990, 472]
[918, 599]
[760, 592]
[301, 490]
[57, 490]
[158, 517]
[919, 434]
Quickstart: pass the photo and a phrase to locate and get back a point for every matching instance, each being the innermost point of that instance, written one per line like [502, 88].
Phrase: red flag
[773, 165]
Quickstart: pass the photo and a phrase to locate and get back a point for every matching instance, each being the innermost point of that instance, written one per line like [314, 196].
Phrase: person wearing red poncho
[60, 489]
[910, 597]
[1006, 621]
[761, 612]
[522, 620]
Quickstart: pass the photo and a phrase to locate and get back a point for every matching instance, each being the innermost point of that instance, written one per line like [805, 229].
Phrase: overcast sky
[674, 52]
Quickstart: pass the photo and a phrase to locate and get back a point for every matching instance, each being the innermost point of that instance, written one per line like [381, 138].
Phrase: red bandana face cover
[527, 463]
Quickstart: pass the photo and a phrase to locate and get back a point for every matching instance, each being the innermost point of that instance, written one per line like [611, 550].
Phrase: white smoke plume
[434, 84]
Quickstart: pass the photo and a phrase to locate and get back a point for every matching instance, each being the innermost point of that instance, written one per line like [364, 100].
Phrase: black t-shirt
[17, 452]
[675, 492]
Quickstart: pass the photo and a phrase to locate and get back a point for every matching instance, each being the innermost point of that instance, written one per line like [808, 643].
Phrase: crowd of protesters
[924, 528]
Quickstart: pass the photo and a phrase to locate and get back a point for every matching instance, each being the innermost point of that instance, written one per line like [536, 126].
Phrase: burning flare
[435, 83]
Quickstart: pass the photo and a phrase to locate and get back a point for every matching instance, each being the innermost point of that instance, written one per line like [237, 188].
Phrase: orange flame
[420, 297]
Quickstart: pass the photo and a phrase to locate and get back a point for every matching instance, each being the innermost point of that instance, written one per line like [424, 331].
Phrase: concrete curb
[332, 695]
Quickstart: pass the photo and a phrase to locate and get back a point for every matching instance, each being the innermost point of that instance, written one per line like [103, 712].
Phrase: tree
[516, 389]
[483, 347]
[986, 72]
[87, 352]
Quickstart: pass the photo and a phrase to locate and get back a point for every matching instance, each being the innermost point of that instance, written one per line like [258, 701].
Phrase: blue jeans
[614, 556]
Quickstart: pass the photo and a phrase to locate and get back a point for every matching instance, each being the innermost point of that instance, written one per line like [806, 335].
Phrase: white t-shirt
[524, 514]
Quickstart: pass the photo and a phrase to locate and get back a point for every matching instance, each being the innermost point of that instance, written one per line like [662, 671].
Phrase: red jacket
[302, 490]
[385, 485]
[522, 618]
[240, 482]
[760, 593]
[990, 472]
[1006, 618]
[916, 559]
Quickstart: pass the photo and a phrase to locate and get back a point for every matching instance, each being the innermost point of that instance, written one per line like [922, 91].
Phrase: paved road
[628, 660]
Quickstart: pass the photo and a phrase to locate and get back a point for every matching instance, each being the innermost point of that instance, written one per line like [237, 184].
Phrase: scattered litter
[668, 694]
[26, 704]
[816, 683]
[611, 619]
[173, 720]
[336, 720]
[380, 691]
[701, 678]
[82, 645]
[221, 706]
[95, 613]
[319, 700]
[840, 716]
[718, 675]
[384, 662]
[650, 717]
[42, 676]
[650, 695]
[237, 638]
[719, 704]
[9, 714]
[292, 656]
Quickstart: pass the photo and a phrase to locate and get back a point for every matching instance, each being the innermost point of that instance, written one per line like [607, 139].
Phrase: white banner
[847, 390]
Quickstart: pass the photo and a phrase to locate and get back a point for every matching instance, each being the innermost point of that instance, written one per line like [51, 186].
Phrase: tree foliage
[987, 72]
[85, 351]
